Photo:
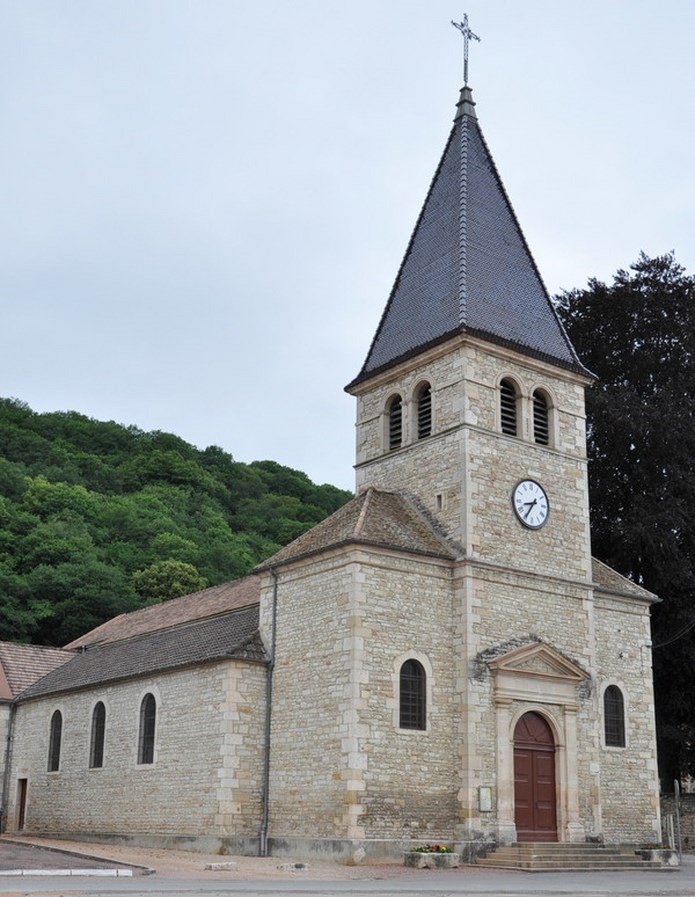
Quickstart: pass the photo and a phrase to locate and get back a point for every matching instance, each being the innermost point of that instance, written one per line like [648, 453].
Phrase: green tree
[638, 335]
[167, 579]
[86, 505]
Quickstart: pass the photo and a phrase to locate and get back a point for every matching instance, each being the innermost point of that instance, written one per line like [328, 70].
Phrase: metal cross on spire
[467, 35]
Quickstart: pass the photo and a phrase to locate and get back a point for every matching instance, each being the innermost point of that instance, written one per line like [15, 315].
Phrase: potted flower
[431, 856]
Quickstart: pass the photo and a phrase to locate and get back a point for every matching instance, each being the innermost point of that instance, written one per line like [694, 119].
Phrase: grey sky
[203, 203]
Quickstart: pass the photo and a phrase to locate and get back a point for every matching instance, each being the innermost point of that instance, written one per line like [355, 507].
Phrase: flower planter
[659, 855]
[416, 859]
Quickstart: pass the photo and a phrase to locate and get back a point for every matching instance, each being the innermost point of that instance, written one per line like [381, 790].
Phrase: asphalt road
[469, 881]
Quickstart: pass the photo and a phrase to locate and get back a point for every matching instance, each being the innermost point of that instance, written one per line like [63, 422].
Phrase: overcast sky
[204, 203]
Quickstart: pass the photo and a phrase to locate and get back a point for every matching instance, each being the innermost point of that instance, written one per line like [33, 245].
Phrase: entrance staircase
[539, 856]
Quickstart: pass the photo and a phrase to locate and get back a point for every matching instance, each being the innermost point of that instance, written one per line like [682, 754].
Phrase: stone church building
[441, 659]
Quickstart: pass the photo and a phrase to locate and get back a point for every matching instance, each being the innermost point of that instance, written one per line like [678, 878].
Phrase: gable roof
[22, 665]
[379, 519]
[468, 268]
[197, 606]
[233, 635]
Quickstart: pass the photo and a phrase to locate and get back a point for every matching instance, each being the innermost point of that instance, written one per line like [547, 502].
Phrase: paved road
[468, 881]
[27, 856]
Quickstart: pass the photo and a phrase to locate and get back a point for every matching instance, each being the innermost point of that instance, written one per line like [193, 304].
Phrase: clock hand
[530, 507]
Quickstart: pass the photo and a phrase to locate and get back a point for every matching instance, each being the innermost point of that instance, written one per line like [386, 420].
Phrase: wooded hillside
[97, 518]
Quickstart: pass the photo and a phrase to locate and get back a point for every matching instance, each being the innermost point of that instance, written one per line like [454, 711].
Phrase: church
[440, 660]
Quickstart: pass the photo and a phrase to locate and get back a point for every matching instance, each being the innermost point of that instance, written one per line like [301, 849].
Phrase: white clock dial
[531, 504]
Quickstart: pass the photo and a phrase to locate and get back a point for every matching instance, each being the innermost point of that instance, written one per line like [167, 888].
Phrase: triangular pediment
[538, 660]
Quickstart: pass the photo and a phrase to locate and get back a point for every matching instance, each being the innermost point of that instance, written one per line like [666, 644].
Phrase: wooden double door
[535, 790]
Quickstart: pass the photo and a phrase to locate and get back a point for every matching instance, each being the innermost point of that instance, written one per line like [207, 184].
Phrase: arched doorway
[535, 797]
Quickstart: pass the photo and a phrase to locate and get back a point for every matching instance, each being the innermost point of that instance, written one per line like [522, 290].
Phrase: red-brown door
[535, 795]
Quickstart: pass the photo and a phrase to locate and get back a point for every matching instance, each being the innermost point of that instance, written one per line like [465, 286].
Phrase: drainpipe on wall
[8, 761]
[263, 838]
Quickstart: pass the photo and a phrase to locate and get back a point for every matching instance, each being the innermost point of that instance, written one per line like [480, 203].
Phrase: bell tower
[471, 398]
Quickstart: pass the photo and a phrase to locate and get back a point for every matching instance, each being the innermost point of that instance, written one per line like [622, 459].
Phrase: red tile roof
[212, 602]
[23, 665]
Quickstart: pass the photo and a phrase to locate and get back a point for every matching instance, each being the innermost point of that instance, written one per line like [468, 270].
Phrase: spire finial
[467, 35]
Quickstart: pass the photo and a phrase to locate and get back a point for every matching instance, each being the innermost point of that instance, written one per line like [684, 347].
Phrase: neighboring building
[448, 662]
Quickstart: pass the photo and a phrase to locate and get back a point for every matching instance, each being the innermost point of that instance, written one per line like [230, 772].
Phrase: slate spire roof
[467, 268]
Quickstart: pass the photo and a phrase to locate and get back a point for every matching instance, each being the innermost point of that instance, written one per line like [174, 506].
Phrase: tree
[638, 336]
[167, 579]
[89, 508]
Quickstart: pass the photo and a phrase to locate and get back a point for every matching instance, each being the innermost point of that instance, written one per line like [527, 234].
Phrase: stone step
[539, 856]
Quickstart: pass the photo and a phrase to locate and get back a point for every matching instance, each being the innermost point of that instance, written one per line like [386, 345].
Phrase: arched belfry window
[395, 423]
[96, 743]
[424, 411]
[541, 418]
[413, 696]
[614, 717]
[508, 415]
[54, 740]
[148, 719]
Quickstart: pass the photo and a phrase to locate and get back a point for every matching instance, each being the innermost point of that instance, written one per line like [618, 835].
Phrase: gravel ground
[50, 853]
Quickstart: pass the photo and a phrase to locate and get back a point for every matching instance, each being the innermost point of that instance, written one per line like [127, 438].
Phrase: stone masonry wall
[627, 777]
[340, 766]
[467, 464]
[207, 772]
[507, 610]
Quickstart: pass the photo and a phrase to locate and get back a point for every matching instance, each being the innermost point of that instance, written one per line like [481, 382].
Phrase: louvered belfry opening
[424, 412]
[413, 696]
[508, 407]
[395, 423]
[541, 431]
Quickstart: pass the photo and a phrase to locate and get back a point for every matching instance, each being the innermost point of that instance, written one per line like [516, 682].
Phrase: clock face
[531, 504]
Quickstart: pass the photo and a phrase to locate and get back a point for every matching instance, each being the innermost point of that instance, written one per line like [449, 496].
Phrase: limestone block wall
[467, 464]
[207, 772]
[411, 777]
[5, 711]
[313, 718]
[505, 609]
[495, 464]
[627, 777]
[340, 766]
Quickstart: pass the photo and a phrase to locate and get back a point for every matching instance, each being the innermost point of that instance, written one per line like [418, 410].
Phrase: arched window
[413, 701]
[96, 744]
[395, 418]
[541, 415]
[148, 718]
[508, 396]
[54, 741]
[424, 411]
[614, 717]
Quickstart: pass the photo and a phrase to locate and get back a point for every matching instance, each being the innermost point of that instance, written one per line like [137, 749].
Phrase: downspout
[263, 838]
[6, 774]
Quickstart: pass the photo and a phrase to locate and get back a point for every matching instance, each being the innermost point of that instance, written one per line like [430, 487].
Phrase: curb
[115, 872]
[104, 873]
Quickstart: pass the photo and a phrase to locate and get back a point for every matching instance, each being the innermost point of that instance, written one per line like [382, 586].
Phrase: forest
[97, 519]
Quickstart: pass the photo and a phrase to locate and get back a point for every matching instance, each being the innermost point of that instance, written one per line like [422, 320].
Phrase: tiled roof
[23, 665]
[467, 268]
[383, 519]
[208, 603]
[233, 635]
[606, 578]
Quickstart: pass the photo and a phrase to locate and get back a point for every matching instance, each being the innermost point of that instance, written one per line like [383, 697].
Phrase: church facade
[440, 660]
